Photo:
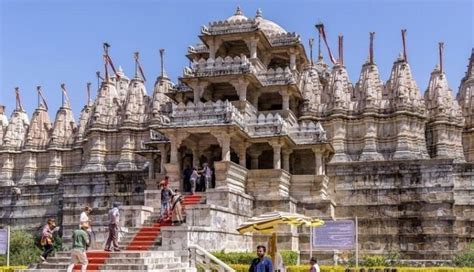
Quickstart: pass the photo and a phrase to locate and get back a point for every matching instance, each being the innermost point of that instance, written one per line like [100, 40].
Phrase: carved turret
[161, 103]
[369, 88]
[18, 126]
[339, 89]
[40, 129]
[445, 121]
[311, 89]
[466, 100]
[106, 109]
[121, 84]
[64, 125]
[83, 119]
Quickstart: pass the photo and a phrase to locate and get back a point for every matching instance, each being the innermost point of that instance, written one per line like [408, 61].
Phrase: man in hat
[47, 238]
[314, 265]
[80, 242]
[114, 221]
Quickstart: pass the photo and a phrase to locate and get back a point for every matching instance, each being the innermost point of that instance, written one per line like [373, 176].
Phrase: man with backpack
[80, 242]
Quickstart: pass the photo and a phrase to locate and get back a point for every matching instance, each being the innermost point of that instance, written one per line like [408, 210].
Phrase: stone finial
[238, 11]
[64, 125]
[369, 88]
[259, 13]
[135, 105]
[40, 128]
[339, 88]
[64, 97]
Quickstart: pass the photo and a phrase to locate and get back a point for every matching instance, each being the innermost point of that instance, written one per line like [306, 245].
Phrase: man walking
[261, 263]
[314, 265]
[114, 221]
[166, 194]
[80, 242]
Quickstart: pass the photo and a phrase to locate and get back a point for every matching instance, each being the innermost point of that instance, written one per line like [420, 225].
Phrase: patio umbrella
[266, 224]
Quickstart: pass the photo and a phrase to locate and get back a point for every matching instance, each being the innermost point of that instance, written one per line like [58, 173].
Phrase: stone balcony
[278, 76]
[219, 67]
[226, 27]
[209, 113]
[269, 124]
[283, 39]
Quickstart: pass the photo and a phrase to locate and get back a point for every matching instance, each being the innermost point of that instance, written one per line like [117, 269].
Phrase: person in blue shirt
[261, 263]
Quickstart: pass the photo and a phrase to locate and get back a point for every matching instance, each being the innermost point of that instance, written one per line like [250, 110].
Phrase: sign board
[3, 241]
[335, 235]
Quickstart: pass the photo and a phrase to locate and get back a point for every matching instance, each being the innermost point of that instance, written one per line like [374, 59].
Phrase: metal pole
[8, 246]
[311, 242]
[357, 242]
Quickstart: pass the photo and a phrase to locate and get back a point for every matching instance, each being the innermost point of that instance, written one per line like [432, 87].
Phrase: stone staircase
[140, 250]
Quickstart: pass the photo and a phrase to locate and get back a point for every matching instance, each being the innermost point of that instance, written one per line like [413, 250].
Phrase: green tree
[22, 249]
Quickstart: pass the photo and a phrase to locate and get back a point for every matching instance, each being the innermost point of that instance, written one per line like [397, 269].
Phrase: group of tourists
[198, 180]
[264, 264]
[171, 208]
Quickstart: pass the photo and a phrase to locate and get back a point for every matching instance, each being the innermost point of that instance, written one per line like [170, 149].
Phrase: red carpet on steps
[143, 240]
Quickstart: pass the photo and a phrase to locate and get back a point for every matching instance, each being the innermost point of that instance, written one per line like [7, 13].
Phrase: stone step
[120, 266]
[188, 269]
[124, 254]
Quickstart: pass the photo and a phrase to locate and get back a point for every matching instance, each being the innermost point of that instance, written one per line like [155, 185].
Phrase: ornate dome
[267, 26]
[238, 16]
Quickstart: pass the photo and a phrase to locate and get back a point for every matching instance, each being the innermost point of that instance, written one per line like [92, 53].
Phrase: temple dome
[238, 16]
[268, 27]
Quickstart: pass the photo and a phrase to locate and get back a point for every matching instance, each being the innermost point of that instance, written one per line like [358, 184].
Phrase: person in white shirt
[85, 222]
[314, 265]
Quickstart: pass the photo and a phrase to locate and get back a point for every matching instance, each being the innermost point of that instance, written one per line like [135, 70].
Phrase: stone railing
[267, 125]
[199, 257]
[277, 76]
[226, 27]
[208, 113]
[219, 66]
[198, 48]
[284, 39]
[308, 132]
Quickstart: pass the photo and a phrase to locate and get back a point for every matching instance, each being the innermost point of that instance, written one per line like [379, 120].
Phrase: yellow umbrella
[266, 223]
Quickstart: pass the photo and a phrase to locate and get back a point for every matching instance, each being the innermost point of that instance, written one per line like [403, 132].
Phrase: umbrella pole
[311, 242]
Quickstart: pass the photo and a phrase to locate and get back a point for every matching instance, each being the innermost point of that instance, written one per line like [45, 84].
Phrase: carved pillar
[285, 96]
[276, 155]
[254, 154]
[253, 47]
[195, 151]
[402, 150]
[338, 141]
[198, 90]
[243, 154]
[318, 160]
[224, 142]
[29, 170]
[54, 169]
[286, 159]
[96, 153]
[164, 158]
[6, 169]
[369, 152]
[126, 160]
[241, 88]
[292, 59]
[151, 166]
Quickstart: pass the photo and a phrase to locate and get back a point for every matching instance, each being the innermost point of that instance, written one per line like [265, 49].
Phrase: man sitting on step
[80, 241]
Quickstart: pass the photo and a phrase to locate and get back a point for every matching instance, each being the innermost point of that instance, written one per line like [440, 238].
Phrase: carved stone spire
[401, 88]
[136, 102]
[466, 93]
[121, 84]
[84, 117]
[445, 121]
[160, 103]
[64, 125]
[105, 112]
[17, 127]
[369, 88]
[40, 127]
[339, 89]
[312, 89]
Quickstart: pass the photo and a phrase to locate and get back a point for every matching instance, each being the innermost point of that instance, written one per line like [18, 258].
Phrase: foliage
[372, 261]
[327, 268]
[11, 268]
[464, 259]
[22, 249]
[289, 257]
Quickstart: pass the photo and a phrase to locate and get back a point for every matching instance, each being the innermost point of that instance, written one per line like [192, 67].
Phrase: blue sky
[49, 42]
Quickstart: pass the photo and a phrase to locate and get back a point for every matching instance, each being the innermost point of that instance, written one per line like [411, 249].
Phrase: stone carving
[369, 88]
[3, 123]
[136, 104]
[16, 130]
[39, 130]
[339, 89]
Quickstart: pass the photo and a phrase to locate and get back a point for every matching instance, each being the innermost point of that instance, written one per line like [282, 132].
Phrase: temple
[281, 131]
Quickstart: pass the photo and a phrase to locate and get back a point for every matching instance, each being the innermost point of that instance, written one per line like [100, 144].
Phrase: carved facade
[281, 132]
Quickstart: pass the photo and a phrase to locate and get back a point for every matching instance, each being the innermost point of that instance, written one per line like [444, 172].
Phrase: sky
[50, 42]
